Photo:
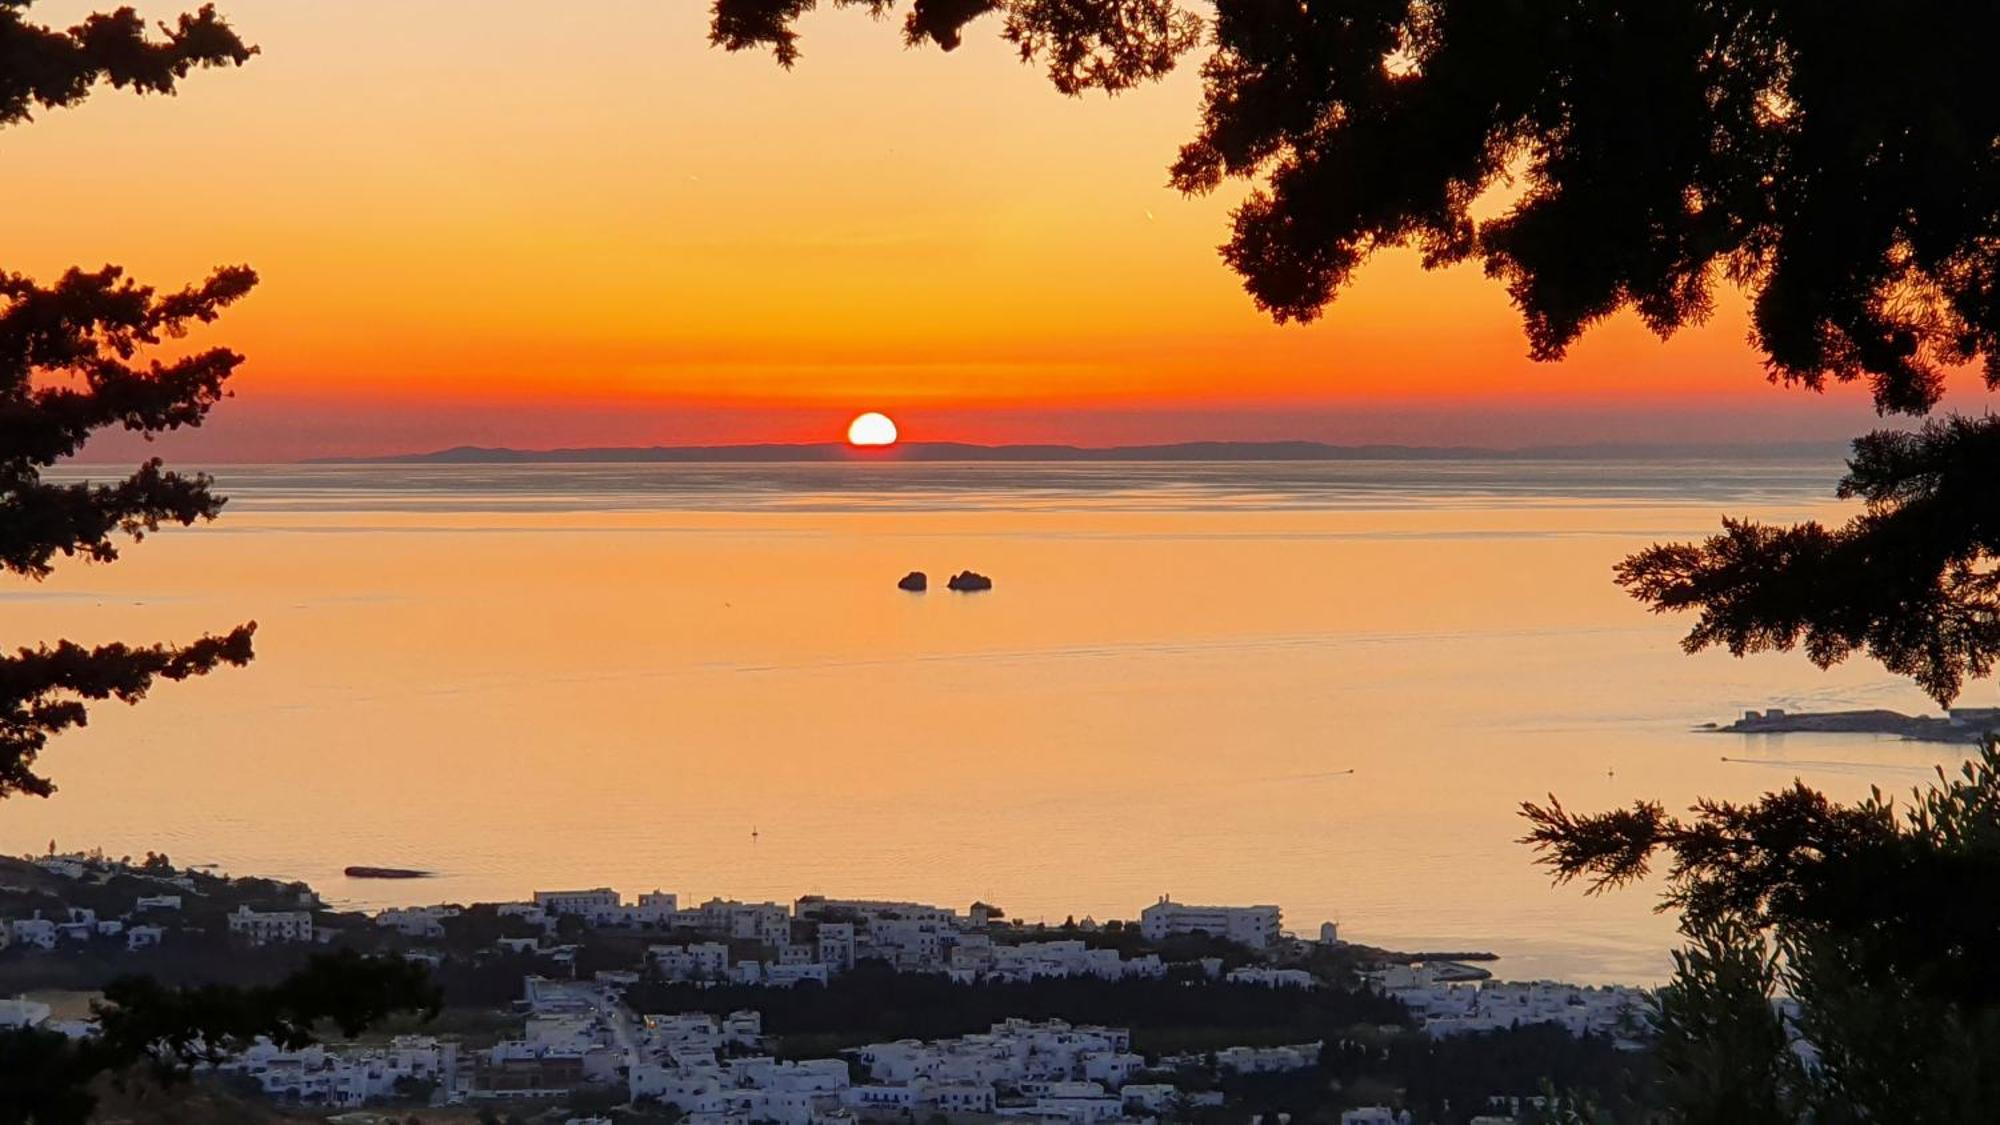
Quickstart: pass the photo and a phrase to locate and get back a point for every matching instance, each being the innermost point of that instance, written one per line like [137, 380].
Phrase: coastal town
[643, 1004]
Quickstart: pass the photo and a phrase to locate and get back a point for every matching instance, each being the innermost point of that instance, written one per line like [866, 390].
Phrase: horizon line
[1197, 450]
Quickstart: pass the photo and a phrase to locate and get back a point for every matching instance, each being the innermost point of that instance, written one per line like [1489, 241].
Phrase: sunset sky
[502, 222]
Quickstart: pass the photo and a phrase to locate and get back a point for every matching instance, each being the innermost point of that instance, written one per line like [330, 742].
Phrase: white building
[657, 908]
[529, 912]
[765, 922]
[38, 931]
[972, 1098]
[22, 1014]
[699, 961]
[1254, 926]
[265, 926]
[592, 905]
[910, 943]
[417, 921]
[1448, 1009]
[1149, 1097]
[780, 975]
[686, 1090]
[836, 945]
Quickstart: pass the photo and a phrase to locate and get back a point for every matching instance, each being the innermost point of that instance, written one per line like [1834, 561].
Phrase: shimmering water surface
[703, 679]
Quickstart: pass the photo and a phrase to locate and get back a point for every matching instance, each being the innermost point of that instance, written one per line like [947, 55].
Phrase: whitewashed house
[263, 927]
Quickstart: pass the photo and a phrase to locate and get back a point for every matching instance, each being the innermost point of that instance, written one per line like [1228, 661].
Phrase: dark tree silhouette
[1652, 150]
[1911, 581]
[45, 1076]
[77, 357]
[1882, 921]
[72, 361]
[51, 68]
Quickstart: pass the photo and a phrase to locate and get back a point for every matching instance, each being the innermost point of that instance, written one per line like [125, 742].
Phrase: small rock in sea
[966, 581]
[915, 582]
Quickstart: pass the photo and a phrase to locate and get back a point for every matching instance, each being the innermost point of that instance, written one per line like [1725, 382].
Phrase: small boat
[386, 873]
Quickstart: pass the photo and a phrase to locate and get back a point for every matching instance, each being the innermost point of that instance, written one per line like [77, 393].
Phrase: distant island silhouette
[1830, 452]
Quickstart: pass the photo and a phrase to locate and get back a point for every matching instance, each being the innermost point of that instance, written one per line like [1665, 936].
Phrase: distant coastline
[1180, 451]
[1959, 724]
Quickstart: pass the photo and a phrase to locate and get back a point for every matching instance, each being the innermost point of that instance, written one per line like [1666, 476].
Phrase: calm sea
[1327, 686]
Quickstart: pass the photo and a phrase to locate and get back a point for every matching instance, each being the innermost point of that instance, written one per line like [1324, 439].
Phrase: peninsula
[1958, 725]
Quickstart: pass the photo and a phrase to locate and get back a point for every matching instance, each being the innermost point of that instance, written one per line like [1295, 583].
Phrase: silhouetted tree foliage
[1652, 150]
[1879, 921]
[1911, 581]
[1092, 44]
[76, 357]
[51, 68]
[72, 361]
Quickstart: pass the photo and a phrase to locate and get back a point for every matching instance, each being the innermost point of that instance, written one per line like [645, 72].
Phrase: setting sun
[871, 429]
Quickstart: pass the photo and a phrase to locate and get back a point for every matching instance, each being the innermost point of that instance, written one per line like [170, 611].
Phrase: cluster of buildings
[77, 924]
[811, 940]
[976, 957]
[714, 1071]
[1446, 1008]
[144, 926]
[766, 922]
[150, 918]
[818, 937]
[317, 1075]
[1048, 1071]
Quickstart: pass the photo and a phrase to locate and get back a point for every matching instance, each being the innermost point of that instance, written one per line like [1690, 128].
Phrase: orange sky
[502, 222]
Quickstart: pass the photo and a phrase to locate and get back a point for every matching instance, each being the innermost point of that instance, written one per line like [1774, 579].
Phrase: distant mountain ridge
[1177, 451]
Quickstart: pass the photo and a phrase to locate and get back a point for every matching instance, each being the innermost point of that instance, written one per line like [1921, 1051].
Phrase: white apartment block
[591, 905]
[1254, 926]
[909, 943]
[265, 926]
[657, 908]
[765, 922]
[836, 944]
[417, 921]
